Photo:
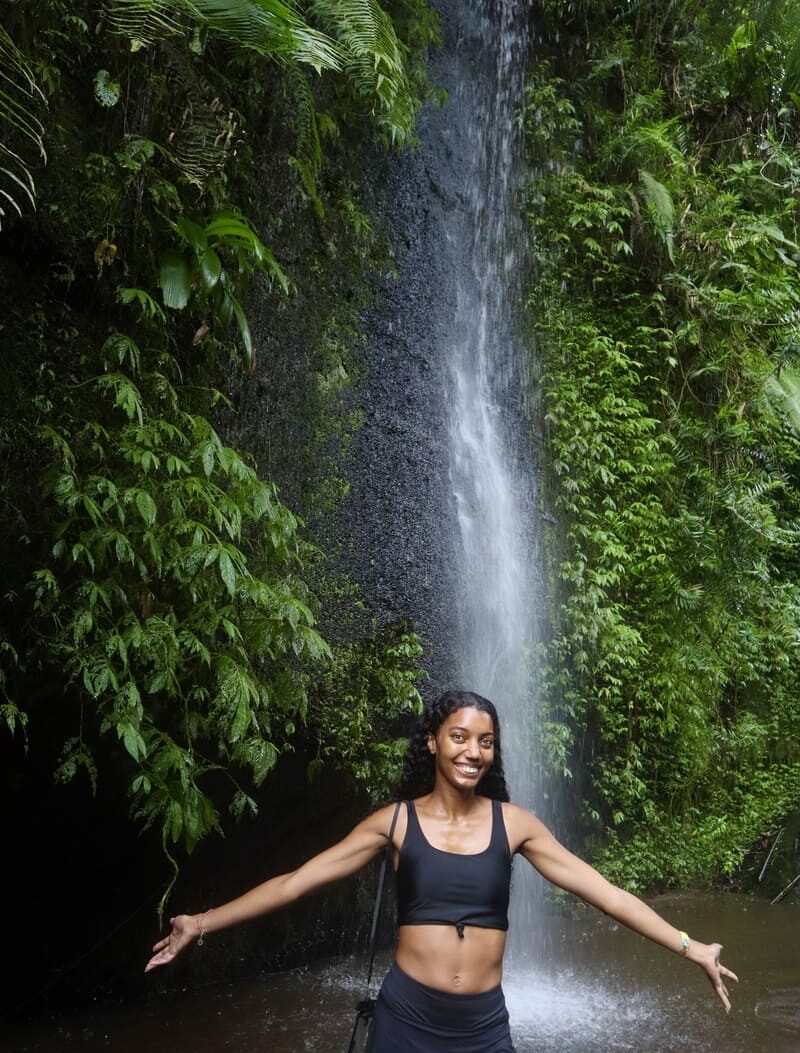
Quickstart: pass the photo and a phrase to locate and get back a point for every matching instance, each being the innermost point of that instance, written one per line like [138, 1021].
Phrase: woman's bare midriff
[437, 956]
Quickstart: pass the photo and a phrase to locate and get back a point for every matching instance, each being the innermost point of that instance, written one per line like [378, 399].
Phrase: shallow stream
[600, 990]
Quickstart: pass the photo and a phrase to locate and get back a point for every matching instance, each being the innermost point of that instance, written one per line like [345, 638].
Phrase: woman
[453, 842]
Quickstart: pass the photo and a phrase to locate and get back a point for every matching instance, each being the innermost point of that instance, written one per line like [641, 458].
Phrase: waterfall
[490, 465]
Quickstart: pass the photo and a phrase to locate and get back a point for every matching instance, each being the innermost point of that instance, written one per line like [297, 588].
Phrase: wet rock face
[400, 515]
[395, 533]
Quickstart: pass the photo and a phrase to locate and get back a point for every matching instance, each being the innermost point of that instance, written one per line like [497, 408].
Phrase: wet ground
[596, 989]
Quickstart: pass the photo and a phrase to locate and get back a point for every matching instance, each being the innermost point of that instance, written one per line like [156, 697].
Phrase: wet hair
[419, 765]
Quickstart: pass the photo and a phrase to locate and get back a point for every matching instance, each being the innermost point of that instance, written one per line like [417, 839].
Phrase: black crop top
[435, 887]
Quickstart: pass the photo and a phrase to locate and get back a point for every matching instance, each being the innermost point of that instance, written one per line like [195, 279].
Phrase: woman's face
[463, 747]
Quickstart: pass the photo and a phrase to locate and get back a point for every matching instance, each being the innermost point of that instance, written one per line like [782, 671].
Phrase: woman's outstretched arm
[346, 857]
[532, 838]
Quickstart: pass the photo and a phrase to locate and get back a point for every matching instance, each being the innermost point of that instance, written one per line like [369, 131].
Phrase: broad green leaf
[227, 571]
[193, 234]
[146, 506]
[132, 741]
[175, 280]
[210, 268]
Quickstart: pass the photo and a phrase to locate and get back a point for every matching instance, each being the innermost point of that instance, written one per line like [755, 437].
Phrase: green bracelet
[685, 943]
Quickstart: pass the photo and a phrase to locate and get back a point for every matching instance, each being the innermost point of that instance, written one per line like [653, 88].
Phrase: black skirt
[413, 1018]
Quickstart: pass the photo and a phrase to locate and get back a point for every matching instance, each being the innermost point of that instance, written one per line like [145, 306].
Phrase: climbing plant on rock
[664, 222]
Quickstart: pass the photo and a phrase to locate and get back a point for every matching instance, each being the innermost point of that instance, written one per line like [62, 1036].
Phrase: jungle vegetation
[663, 216]
[160, 160]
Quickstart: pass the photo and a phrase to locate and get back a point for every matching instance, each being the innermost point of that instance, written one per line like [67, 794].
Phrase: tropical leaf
[375, 63]
[785, 388]
[267, 26]
[244, 332]
[231, 229]
[272, 28]
[662, 209]
[20, 96]
[145, 22]
[307, 158]
[175, 280]
[106, 91]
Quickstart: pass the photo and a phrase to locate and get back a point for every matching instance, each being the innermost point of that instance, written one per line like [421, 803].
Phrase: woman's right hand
[185, 928]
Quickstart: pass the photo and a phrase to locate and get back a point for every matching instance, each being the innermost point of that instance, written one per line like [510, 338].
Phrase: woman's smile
[464, 744]
[467, 769]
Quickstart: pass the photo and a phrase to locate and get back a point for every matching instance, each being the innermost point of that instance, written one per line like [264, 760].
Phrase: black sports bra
[435, 887]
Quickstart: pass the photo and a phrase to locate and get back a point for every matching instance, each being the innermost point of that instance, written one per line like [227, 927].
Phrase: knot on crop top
[435, 887]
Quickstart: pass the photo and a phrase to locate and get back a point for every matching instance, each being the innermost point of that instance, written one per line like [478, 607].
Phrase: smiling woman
[453, 843]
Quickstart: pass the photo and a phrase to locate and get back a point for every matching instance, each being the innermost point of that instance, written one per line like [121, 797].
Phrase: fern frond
[661, 207]
[785, 388]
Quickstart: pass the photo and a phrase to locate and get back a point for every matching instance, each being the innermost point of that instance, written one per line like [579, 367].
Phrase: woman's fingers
[716, 970]
[181, 935]
[165, 953]
[722, 993]
[155, 961]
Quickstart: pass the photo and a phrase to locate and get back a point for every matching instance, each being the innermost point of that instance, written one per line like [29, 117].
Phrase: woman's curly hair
[419, 765]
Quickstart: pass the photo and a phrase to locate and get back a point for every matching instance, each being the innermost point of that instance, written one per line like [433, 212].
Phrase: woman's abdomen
[437, 956]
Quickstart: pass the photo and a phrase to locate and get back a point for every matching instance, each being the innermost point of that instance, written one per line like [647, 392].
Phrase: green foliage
[20, 99]
[664, 226]
[203, 275]
[356, 708]
[179, 643]
[156, 588]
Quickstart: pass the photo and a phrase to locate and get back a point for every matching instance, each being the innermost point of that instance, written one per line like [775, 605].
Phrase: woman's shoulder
[520, 824]
[390, 820]
[516, 811]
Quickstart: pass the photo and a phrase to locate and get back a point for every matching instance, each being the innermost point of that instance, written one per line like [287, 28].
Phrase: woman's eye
[487, 743]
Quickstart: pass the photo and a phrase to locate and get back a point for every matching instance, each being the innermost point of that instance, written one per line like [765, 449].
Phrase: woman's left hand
[706, 955]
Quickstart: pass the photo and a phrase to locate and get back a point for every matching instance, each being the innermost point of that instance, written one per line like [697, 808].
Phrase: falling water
[491, 470]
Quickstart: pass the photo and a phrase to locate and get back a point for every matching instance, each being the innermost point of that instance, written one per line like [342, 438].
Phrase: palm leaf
[145, 22]
[20, 95]
[374, 65]
[271, 28]
[267, 26]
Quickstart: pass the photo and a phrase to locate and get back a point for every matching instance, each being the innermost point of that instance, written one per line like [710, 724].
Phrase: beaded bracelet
[685, 943]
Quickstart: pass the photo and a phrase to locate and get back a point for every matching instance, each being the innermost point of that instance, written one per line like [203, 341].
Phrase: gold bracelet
[200, 929]
[685, 943]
